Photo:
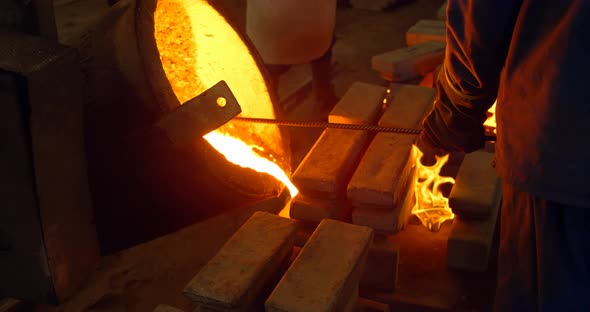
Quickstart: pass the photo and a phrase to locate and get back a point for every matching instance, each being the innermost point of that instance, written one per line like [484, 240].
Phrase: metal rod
[323, 124]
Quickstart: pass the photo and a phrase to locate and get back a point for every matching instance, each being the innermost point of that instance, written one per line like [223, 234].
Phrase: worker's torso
[291, 31]
[543, 111]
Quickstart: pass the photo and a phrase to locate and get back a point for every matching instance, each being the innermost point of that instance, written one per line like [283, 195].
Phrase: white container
[291, 31]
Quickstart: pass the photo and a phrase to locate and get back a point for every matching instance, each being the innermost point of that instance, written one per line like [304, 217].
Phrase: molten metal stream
[244, 155]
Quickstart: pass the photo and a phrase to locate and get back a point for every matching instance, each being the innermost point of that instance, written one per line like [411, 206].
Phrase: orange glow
[491, 121]
[431, 207]
[384, 103]
[286, 211]
[198, 48]
[242, 154]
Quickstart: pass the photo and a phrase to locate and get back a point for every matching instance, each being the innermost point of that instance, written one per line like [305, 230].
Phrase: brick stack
[409, 63]
[426, 42]
[254, 270]
[324, 173]
[247, 265]
[326, 274]
[426, 30]
[475, 199]
[381, 189]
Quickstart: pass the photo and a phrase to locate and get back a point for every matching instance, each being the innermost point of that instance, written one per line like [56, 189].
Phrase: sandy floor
[361, 34]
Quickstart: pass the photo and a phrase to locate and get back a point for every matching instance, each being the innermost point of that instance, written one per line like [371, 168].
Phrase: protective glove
[429, 151]
[454, 124]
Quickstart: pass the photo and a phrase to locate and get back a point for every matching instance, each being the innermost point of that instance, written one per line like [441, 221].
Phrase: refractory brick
[381, 189]
[470, 243]
[477, 194]
[426, 30]
[408, 106]
[326, 169]
[477, 189]
[409, 62]
[361, 104]
[326, 273]
[387, 219]
[375, 182]
[245, 265]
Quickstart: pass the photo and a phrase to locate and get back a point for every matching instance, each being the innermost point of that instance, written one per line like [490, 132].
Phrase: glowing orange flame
[244, 155]
[431, 207]
[384, 103]
[491, 121]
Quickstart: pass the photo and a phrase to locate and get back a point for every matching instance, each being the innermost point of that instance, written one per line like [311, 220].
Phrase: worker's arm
[478, 37]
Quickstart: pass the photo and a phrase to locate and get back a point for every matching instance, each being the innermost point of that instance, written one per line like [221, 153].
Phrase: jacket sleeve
[478, 37]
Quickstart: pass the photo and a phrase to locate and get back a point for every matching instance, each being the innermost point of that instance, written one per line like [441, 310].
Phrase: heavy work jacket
[534, 56]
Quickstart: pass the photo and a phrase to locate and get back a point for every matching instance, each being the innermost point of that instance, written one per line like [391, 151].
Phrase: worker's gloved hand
[429, 151]
[454, 124]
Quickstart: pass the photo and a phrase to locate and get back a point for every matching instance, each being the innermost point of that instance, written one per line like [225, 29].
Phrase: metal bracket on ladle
[200, 115]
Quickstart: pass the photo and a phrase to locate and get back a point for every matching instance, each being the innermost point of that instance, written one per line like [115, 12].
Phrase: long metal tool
[218, 106]
[321, 124]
